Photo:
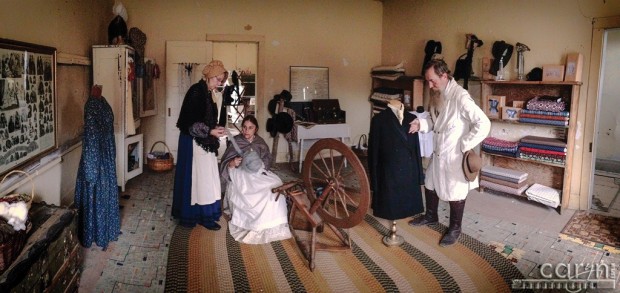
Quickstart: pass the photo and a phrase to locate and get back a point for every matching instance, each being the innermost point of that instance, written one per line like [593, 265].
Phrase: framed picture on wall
[494, 105]
[308, 83]
[27, 103]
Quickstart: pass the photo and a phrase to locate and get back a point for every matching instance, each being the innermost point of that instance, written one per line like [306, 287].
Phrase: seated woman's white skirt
[257, 217]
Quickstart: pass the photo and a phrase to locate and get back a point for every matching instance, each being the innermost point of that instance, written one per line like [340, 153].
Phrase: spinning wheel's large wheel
[344, 190]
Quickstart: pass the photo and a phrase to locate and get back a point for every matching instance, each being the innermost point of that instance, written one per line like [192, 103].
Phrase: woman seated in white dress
[255, 216]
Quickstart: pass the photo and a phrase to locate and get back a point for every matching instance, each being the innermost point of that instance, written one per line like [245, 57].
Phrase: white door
[184, 63]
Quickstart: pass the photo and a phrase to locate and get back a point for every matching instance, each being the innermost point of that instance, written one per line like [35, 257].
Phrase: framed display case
[27, 102]
[308, 83]
[494, 105]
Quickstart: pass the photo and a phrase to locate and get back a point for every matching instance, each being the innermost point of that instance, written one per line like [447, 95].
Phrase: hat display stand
[276, 138]
[521, 48]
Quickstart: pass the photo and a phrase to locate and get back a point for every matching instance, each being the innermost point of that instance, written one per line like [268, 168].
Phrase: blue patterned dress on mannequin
[96, 191]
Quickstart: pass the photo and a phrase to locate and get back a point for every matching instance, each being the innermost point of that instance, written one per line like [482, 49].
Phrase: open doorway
[241, 59]
[606, 158]
[244, 54]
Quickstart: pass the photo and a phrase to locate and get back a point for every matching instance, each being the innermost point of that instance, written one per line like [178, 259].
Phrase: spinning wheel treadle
[332, 193]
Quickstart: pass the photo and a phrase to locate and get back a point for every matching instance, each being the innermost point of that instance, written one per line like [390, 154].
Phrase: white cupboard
[114, 70]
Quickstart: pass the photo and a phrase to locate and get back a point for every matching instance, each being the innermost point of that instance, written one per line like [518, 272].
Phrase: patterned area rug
[594, 230]
[201, 261]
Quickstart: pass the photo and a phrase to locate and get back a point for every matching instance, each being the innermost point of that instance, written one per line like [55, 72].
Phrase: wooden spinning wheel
[334, 192]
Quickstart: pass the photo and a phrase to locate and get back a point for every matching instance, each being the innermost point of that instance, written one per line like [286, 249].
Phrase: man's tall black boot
[431, 210]
[456, 218]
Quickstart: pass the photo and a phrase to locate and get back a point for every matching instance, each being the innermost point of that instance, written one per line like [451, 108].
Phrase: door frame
[599, 25]
[260, 65]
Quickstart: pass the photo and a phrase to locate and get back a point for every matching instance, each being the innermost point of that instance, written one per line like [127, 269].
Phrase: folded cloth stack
[542, 149]
[388, 72]
[381, 96]
[545, 110]
[544, 194]
[385, 94]
[501, 147]
[504, 180]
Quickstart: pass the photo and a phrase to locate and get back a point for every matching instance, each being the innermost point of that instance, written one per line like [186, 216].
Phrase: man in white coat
[458, 125]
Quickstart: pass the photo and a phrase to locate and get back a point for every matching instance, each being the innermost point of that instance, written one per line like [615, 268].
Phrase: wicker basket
[361, 149]
[12, 242]
[160, 165]
[10, 198]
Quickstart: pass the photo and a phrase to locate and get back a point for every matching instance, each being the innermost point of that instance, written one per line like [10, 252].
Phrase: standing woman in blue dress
[96, 191]
[197, 192]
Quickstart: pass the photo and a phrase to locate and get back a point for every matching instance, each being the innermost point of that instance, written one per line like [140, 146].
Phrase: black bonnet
[500, 50]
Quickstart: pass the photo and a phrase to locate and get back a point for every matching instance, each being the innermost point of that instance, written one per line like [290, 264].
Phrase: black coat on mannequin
[395, 166]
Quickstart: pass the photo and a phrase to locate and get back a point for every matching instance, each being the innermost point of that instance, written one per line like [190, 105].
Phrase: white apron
[205, 177]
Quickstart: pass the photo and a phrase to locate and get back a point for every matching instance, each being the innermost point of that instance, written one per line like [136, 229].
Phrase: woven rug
[206, 261]
[594, 230]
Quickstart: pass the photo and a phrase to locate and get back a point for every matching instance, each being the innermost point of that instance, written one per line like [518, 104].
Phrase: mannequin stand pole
[393, 239]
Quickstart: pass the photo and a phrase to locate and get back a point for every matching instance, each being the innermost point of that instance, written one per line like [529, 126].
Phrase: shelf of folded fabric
[526, 122]
[512, 182]
[533, 82]
[505, 180]
[524, 159]
[407, 89]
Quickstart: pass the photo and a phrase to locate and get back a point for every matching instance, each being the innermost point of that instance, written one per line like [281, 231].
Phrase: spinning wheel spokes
[347, 200]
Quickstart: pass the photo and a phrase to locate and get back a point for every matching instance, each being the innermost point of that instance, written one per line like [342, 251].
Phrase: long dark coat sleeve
[395, 167]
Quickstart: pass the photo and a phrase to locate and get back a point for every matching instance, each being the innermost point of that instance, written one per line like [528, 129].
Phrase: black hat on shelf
[117, 31]
[535, 74]
[501, 51]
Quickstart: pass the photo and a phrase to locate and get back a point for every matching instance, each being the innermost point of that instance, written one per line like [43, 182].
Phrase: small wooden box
[486, 66]
[493, 106]
[574, 65]
[518, 104]
[510, 113]
[553, 73]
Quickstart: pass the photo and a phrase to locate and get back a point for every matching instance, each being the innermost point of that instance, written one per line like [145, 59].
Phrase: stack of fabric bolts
[388, 72]
[542, 149]
[502, 147]
[504, 180]
[545, 110]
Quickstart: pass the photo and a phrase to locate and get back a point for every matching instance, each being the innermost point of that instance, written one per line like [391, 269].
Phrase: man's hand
[414, 126]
